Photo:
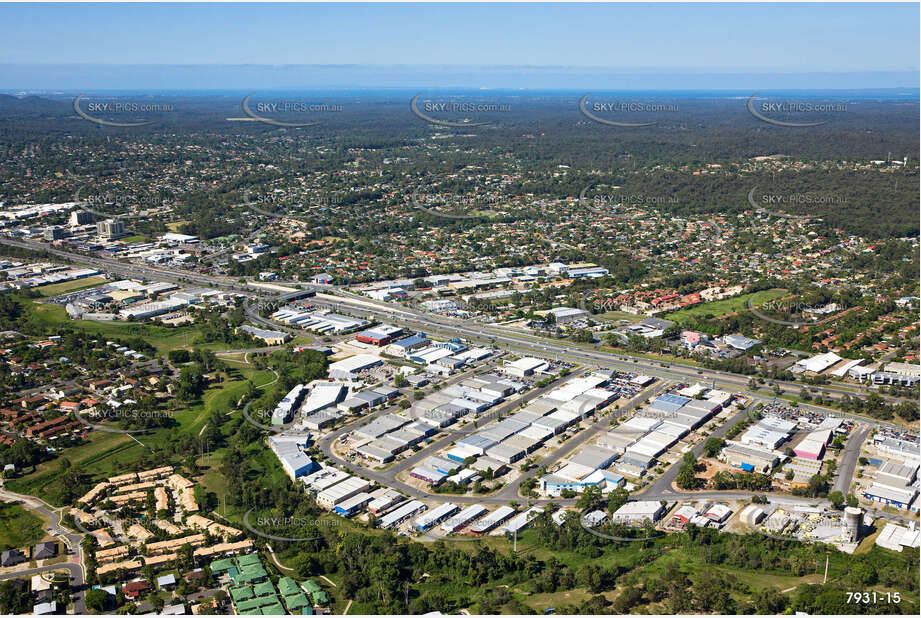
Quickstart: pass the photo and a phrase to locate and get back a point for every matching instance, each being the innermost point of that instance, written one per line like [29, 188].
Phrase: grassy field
[162, 338]
[135, 238]
[19, 527]
[54, 289]
[727, 305]
[106, 454]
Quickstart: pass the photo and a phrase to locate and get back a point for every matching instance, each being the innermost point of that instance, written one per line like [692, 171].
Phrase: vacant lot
[18, 527]
[727, 305]
[55, 289]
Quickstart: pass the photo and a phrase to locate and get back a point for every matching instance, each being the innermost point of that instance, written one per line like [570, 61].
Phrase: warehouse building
[435, 516]
[594, 457]
[384, 499]
[427, 475]
[896, 474]
[380, 335]
[770, 432]
[636, 513]
[284, 411]
[749, 458]
[554, 485]
[402, 347]
[506, 453]
[892, 496]
[524, 367]
[440, 464]
[349, 368]
[813, 445]
[464, 518]
[567, 315]
[521, 521]
[322, 395]
[401, 514]
[487, 464]
[323, 478]
[476, 444]
[320, 419]
[491, 520]
[340, 492]
[293, 460]
[353, 505]
[381, 425]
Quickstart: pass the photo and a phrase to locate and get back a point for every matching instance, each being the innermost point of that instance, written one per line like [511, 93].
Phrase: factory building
[490, 521]
[435, 516]
[749, 458]
[401, 514]
[342, 491]
[635, 513]
[464, 518]
[293, 460]
[349, 368]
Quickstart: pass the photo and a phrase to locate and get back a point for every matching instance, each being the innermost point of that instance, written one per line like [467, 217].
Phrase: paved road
[431, 322]
[661, 488]
[74, 565]
[546, 347]
[849, 457]
[388, 477]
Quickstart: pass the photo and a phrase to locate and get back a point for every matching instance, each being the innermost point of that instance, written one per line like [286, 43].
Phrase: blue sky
[798, 38]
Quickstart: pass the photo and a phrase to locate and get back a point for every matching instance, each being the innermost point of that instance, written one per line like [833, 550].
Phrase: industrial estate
[354, 355]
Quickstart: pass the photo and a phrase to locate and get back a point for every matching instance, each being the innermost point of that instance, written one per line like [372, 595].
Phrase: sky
[695, 37]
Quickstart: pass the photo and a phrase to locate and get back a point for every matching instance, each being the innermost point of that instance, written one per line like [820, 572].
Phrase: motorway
[343, 300]
[548, 347]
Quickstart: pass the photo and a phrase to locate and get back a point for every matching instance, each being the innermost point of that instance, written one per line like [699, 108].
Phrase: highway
[342, 300]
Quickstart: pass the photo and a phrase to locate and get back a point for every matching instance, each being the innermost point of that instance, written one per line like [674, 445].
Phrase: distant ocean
[399, 80]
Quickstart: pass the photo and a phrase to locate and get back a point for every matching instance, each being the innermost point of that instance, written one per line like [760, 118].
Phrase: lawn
[162, 338]
[106, 454]
[727, 305]
[55, 289]
[19, 527]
